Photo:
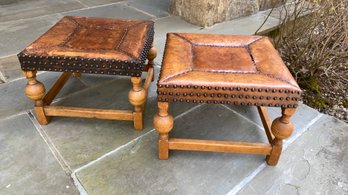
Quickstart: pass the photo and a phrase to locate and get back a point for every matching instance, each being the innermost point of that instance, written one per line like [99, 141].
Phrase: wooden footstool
[94, 46]
[225, 69]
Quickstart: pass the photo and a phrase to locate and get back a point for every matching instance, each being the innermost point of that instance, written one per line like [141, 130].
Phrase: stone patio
[90, 156]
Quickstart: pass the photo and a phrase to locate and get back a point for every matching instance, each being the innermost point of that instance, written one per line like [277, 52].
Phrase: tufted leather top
[244, 70]
[91, 45]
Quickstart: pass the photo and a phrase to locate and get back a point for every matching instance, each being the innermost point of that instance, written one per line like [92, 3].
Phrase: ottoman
[225, 69]
[78, 45]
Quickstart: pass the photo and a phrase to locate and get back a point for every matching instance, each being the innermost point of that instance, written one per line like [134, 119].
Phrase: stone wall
[208, 12]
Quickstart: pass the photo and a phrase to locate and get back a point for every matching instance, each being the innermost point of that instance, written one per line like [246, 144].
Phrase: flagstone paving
[13, 99]
[90, 156]
[135, 169]
[316, 163]
[16, 35]
[118, 10]
[93, 138]
[27, 165]
[9, 68]
[156, 8]
[20, 9]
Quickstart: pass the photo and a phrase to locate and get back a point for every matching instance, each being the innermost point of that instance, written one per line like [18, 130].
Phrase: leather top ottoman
[91, 45]
[94, 46]
[225, 69]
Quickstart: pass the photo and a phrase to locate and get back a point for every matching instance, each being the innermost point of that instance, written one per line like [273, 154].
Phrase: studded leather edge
[148, 42]
[244, 103]
[89, 65]
[232, 95]
[78, 64]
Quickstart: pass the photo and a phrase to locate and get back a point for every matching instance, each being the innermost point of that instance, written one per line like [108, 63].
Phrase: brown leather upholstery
[244, 70]
[91, 45]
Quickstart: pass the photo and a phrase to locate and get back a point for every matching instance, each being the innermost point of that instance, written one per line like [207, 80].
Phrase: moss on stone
[345, 103]
[317, 101]
[314, 93]
[312, 85]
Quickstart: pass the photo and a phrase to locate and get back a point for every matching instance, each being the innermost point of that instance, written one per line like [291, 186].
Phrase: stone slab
[208, 12]
[27, 165]
[94, 80]
[91, 138]
[13, 99]
[169, 24]
[244, 26]
[91, 3]
[158, 8]
[316, 163]
[16, 35]
[22, 9]
[300, 119]
[10, 68]
[136, 169]
[119, 10]
[159, 44]
[288, 10]
[172, 24]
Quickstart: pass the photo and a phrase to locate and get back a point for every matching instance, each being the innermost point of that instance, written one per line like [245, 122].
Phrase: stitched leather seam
[192, 49]
[69, 37]
[185, 71]
[227, 72]
[256, 40]
[279, 79]
[246, 46]
[126, 53]
[60, 44]
[148, 38]
[176, 75]
[217, 44]
[120, 40]
[193, 56]
[183, 38]
[251, 56]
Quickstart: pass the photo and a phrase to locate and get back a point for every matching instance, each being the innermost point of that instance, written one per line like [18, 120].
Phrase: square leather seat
[225, 69]
[76, 45]
[91, 45]
[244, 70]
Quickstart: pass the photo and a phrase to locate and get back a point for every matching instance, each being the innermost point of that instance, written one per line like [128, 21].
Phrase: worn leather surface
[91, 45]
[229, 69]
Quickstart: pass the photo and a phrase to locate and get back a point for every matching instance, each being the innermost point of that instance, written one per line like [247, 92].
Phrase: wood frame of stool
[137, 96]
[281, 128]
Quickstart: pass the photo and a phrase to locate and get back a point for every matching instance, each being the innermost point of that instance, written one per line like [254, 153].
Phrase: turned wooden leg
[137, 97]
[281, 129]
[35, 90]
[151, 55]
[163, 123]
